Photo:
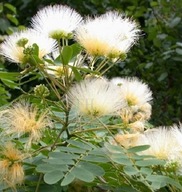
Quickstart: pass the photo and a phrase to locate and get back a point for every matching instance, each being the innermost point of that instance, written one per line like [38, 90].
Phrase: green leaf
[45, 168]
[10, 7]
[10, 84]
[150, 162]
[138, 148]
[87, 70]
[80, 144]
[13, 19]
[174, 22]
[93, 168]
[153, 3]
[53, 177]
[114, 149]
[130, 170]
[120, 159]
[72, 150]
[66, 55]
[179, 51]
[9, 75]
[146, 171]
[35, 49]
[97, 151]
[67, 179]
[5, 24]
[76, 49]
[1, 8]
[162, 76]
[161, 181]
[78, 76]
[63, 155]
[34, 60]
[83, 174]
[95, 158]
[59, 161]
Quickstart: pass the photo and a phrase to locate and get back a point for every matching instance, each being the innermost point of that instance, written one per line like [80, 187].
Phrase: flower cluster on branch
[78, 125]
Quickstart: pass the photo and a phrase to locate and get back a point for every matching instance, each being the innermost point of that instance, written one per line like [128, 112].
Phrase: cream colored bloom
[95, 97]
[163, 144]
[146, 109]
[12, 172]
[177, 133]
[15, 46]
[23, 118]
[135, 92]
[137, 126]
[110, 35]
[57, 21]
[127, 140]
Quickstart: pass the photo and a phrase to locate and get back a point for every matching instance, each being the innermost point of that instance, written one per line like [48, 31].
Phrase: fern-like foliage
[79, 160]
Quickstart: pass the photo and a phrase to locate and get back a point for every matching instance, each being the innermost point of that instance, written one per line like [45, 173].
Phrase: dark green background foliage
[156, 58]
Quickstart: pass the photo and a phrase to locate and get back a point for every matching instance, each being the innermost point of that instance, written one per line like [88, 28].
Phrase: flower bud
[41, 91]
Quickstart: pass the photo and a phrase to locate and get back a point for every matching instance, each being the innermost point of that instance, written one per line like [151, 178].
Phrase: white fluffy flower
[134, 92]
[163, 144]
[109, 35]
[13, 46]
[95, 97]
[56, 21]
[177, 133]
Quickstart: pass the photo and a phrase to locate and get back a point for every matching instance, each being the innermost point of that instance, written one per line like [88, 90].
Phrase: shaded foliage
[156, 59]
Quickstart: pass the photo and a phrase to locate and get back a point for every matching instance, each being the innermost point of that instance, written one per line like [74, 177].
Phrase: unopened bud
[22, 42]
[41, 91]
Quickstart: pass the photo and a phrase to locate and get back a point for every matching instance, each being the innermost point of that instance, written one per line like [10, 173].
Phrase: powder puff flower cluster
[110, 35]
[16, 47]
[95, 97]
[137, 96]
[22, 118]
[57, 21]
[165, 144]
[12, 172]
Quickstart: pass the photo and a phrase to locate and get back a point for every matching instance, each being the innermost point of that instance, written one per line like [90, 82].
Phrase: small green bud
[22, 42]
[28, 50]
[57, 34]
[41, 91]
[116, 55]
[171, 166]
[123, 56]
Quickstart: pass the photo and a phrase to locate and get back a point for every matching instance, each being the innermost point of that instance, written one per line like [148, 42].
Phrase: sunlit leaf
[66, 55]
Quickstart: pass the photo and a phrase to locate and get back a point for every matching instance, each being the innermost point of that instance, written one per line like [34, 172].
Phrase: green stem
[39, 181]
[94, 129]
[110, 66]
[101, 65]
[65, 126]
[91, 65]
[105, 126]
